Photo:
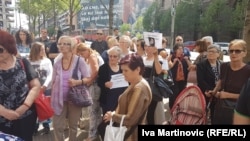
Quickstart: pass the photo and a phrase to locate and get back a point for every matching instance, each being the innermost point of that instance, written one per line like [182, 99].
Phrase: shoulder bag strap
[152, 71]
[226, 73]
[74, 74]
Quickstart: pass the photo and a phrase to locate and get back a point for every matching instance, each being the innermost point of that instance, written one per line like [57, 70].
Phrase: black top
[108, 97]
[243, 104]
[99, 46]
[14, 86]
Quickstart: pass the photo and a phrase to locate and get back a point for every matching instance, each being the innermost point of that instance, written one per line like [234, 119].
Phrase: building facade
[6, 14]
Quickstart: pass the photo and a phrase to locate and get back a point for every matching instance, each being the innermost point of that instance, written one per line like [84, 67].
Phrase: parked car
[190, 45]
[223, 47]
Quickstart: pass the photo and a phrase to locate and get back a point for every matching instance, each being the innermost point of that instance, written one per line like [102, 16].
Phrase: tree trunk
[111, 16]
[246, 31]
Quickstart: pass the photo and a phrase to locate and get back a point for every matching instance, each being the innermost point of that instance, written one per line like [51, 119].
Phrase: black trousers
[23, 128]
[151, 112]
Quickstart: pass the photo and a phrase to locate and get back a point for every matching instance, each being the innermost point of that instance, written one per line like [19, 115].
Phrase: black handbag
[169, 79]
[79, 95]
[158, 85]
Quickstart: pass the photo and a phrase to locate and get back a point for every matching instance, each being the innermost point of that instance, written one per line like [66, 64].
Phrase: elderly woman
[135, 100]
[235, 75]
[19, 87]
[208, 72]
[109, 96]
[94, 61]
[61, 82]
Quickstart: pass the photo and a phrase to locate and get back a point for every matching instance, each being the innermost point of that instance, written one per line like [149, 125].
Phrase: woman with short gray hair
[208, 71]
[109, 96]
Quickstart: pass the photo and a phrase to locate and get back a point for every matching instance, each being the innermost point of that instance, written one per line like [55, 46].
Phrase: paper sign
[118, 81]
[153, 39]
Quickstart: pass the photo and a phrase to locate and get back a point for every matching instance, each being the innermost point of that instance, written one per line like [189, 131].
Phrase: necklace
[68, 64]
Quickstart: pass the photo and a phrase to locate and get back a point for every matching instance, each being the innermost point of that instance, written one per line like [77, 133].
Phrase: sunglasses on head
[2, 50]
[237, 51]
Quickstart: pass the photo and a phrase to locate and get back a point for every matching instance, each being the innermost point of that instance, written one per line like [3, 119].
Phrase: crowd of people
[104, 66]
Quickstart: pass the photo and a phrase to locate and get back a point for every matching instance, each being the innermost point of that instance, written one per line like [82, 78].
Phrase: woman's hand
[109, 84]
[72, 82]
[10, 114]
[209, 93]
[22, 109]
[107, 117]
[43, 88]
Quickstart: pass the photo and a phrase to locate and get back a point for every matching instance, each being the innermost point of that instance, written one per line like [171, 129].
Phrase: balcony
[9, 8]
[10, 15]
[8, 2]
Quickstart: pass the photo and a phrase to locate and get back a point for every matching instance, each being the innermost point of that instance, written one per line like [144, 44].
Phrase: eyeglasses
[237, 51]
[98, 33]
[212, 51]
[113, 56]
[64, 44]
[2, 50]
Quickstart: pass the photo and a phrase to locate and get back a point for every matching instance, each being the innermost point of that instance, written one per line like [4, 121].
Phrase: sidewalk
[81, 135]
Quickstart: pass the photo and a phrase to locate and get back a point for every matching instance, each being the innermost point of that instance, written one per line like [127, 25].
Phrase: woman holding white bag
[134, 101]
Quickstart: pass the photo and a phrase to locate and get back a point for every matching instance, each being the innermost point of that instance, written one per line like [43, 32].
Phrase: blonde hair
[85, 47]
[72, 40]
[36, 48]
[238, 42]
[112, 42]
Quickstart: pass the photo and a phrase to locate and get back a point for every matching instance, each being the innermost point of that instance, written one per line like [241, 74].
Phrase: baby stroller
[189, 107]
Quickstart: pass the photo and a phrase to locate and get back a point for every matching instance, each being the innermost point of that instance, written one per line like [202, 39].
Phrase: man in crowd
[99, 45]
[45, 40]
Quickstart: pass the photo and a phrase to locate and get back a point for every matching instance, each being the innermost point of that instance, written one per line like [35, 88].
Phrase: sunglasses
[178, 40]
[98, 33]
[237, 51]
[2, 50]
[63, 44]
[113, 56]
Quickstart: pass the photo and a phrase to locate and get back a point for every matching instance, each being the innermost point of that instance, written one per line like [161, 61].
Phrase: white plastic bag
[115, 133]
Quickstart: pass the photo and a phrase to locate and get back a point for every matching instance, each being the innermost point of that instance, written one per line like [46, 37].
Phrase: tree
[246, 31]
[187, 20]
[125, 27]
[138, 26]
[151, 20]
[111, 14]
[215, 20]
[73, 6]
[237, 20]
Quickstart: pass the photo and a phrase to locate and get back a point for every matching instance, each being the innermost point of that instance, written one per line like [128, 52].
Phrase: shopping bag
[113, 133]
[43, 107]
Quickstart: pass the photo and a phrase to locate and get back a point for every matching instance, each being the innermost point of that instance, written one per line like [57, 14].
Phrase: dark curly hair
[29, 38]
